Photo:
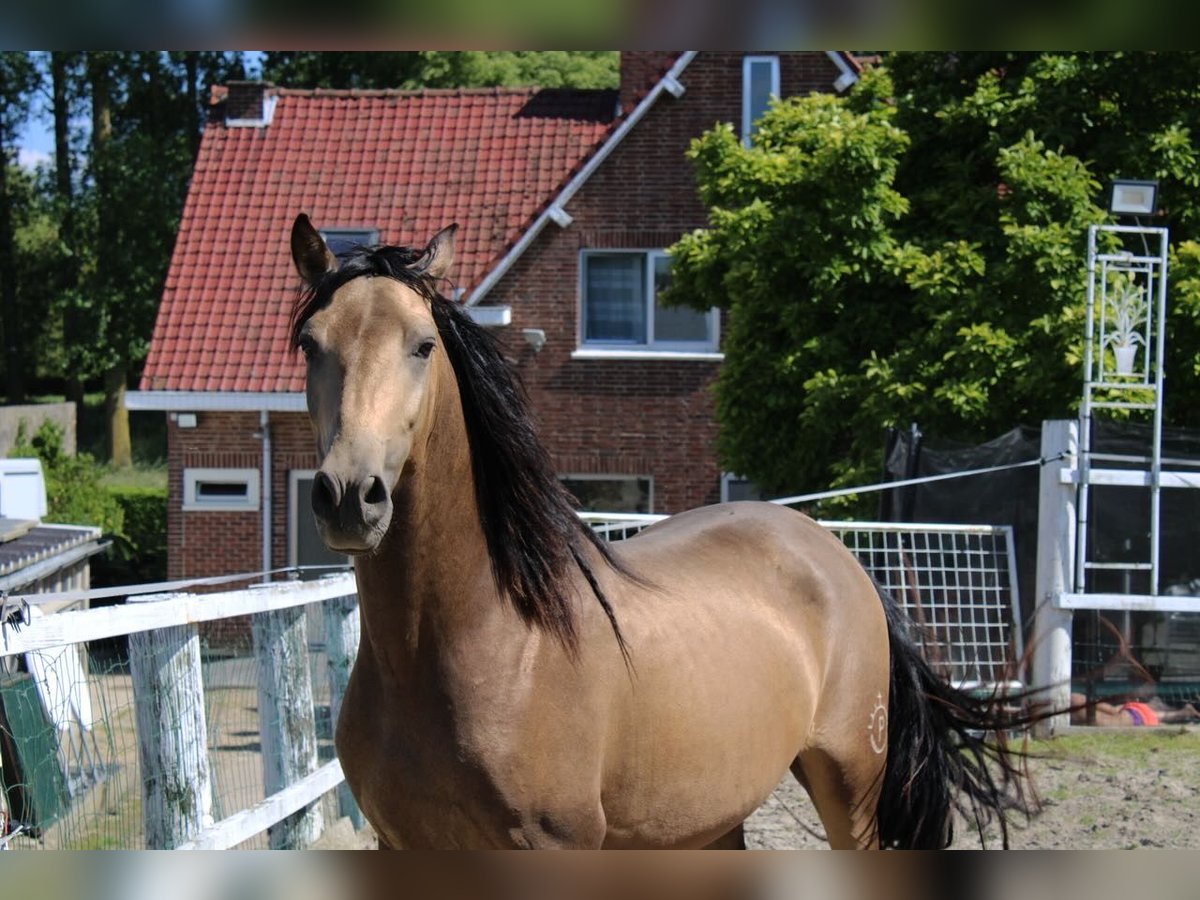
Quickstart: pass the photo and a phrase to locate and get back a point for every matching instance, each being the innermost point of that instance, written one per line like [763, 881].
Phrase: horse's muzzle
[352, 516]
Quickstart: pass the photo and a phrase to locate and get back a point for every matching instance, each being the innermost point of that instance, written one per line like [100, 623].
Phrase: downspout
[264, 430]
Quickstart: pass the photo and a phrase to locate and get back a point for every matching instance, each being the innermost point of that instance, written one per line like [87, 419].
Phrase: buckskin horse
[522, 683]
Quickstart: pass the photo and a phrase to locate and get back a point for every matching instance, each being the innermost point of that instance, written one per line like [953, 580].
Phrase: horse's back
[754, 542]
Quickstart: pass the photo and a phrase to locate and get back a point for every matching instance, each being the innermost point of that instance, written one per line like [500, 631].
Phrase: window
[228, 490]
[621, 308]
[342, 239]
[611, 493]
[305, 547]
[735, 487]
[760, 82]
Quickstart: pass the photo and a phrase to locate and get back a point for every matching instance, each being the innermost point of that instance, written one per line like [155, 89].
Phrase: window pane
[615, 298]
[676, 324]
[341, 240]
[760, 88]
[616, 494]
[221, 490]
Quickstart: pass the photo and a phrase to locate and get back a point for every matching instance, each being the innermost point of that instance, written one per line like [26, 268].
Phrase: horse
[522, 683]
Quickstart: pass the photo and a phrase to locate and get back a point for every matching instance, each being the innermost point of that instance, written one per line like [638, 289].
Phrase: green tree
[19, 78]
[915, 251]
[408, 70]
[144, 130]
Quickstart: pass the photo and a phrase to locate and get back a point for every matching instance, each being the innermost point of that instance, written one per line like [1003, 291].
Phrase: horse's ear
[310, 252]
[435, 261]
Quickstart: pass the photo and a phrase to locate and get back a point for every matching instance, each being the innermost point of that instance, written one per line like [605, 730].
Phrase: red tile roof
[405, 162]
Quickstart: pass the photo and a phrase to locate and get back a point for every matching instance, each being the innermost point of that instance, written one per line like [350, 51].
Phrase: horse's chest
[420, 783]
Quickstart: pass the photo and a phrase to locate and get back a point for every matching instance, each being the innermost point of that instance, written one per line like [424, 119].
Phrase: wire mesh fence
[72, 752]
[958, 585]
[1128, 655]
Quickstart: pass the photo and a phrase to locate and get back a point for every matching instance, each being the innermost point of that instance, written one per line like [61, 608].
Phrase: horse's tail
[947, 750]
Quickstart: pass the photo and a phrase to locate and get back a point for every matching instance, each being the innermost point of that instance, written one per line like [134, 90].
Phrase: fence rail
[174, 741]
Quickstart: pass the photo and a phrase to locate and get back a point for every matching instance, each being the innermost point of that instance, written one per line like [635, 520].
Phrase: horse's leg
[731, 840]
[845, 790]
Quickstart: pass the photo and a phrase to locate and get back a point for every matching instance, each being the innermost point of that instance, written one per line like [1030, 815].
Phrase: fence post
[341, 645]
[172, 732]
[1055, 563]
[287, 724]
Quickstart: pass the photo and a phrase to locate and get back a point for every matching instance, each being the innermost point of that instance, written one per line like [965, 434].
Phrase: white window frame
[610, 476]
[667, 349]
[748, 63]
[193, 502]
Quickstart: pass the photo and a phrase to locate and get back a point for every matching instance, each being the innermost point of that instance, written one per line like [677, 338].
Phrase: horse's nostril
[325, 495]
[375, 492]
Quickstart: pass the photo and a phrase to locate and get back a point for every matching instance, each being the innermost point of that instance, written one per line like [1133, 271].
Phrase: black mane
[533, 534]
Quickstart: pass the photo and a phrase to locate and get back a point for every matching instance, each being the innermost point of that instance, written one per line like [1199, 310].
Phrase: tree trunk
[14, 366]
[191, 61]
[69, 273]
[116, 416]
[72, 335]
[120, 447]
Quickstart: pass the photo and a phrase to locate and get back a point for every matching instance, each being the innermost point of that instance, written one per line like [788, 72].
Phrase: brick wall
[205, 542]
[653, 418]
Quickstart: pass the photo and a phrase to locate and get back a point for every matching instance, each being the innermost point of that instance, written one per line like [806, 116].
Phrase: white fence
[177, 761]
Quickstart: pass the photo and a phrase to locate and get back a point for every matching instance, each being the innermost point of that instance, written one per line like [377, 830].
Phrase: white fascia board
[559, 203]
[848, 77]
[215, 401]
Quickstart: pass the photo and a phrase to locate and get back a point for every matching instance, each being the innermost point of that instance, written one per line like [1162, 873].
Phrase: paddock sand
[1100, 789]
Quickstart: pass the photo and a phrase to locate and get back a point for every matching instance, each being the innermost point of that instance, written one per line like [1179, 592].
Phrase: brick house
[565, 200]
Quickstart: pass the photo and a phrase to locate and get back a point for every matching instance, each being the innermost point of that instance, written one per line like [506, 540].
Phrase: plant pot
[1126, 355]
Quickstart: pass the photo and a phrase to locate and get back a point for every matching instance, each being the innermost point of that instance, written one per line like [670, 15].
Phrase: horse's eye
[424, 349]
[308, 346]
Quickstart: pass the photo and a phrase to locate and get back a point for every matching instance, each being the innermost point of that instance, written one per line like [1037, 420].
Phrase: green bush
[140, 551]
[133, 518]
[74, 495]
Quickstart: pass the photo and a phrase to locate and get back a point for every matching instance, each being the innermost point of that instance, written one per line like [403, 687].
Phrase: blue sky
[35, 143]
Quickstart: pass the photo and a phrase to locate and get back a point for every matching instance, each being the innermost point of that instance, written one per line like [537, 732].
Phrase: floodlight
[1133, 198]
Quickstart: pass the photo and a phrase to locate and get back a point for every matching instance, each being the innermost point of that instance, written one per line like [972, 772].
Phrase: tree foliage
[412, 69]
[916, 251]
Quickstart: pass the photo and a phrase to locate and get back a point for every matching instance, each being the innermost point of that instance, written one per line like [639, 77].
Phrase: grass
[139, 475]
[1138, 746]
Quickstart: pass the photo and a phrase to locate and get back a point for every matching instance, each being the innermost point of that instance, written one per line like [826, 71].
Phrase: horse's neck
[430, 581]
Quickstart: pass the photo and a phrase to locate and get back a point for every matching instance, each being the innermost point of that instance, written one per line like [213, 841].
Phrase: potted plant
[1125, 315]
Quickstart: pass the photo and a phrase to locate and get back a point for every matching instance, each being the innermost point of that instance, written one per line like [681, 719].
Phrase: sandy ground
[1100, 789]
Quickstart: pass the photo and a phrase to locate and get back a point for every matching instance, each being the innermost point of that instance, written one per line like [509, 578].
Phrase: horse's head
[369, 339]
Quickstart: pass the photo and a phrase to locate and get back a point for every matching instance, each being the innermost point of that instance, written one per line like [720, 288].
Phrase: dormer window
[342, 239]
[760, 82]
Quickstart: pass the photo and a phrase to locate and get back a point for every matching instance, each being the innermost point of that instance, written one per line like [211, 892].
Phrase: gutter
[555, 211]
[264, 427]
[848, 78]
[216, 401]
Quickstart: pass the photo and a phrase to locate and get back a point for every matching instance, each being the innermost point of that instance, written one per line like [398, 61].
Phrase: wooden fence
[172, 737]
